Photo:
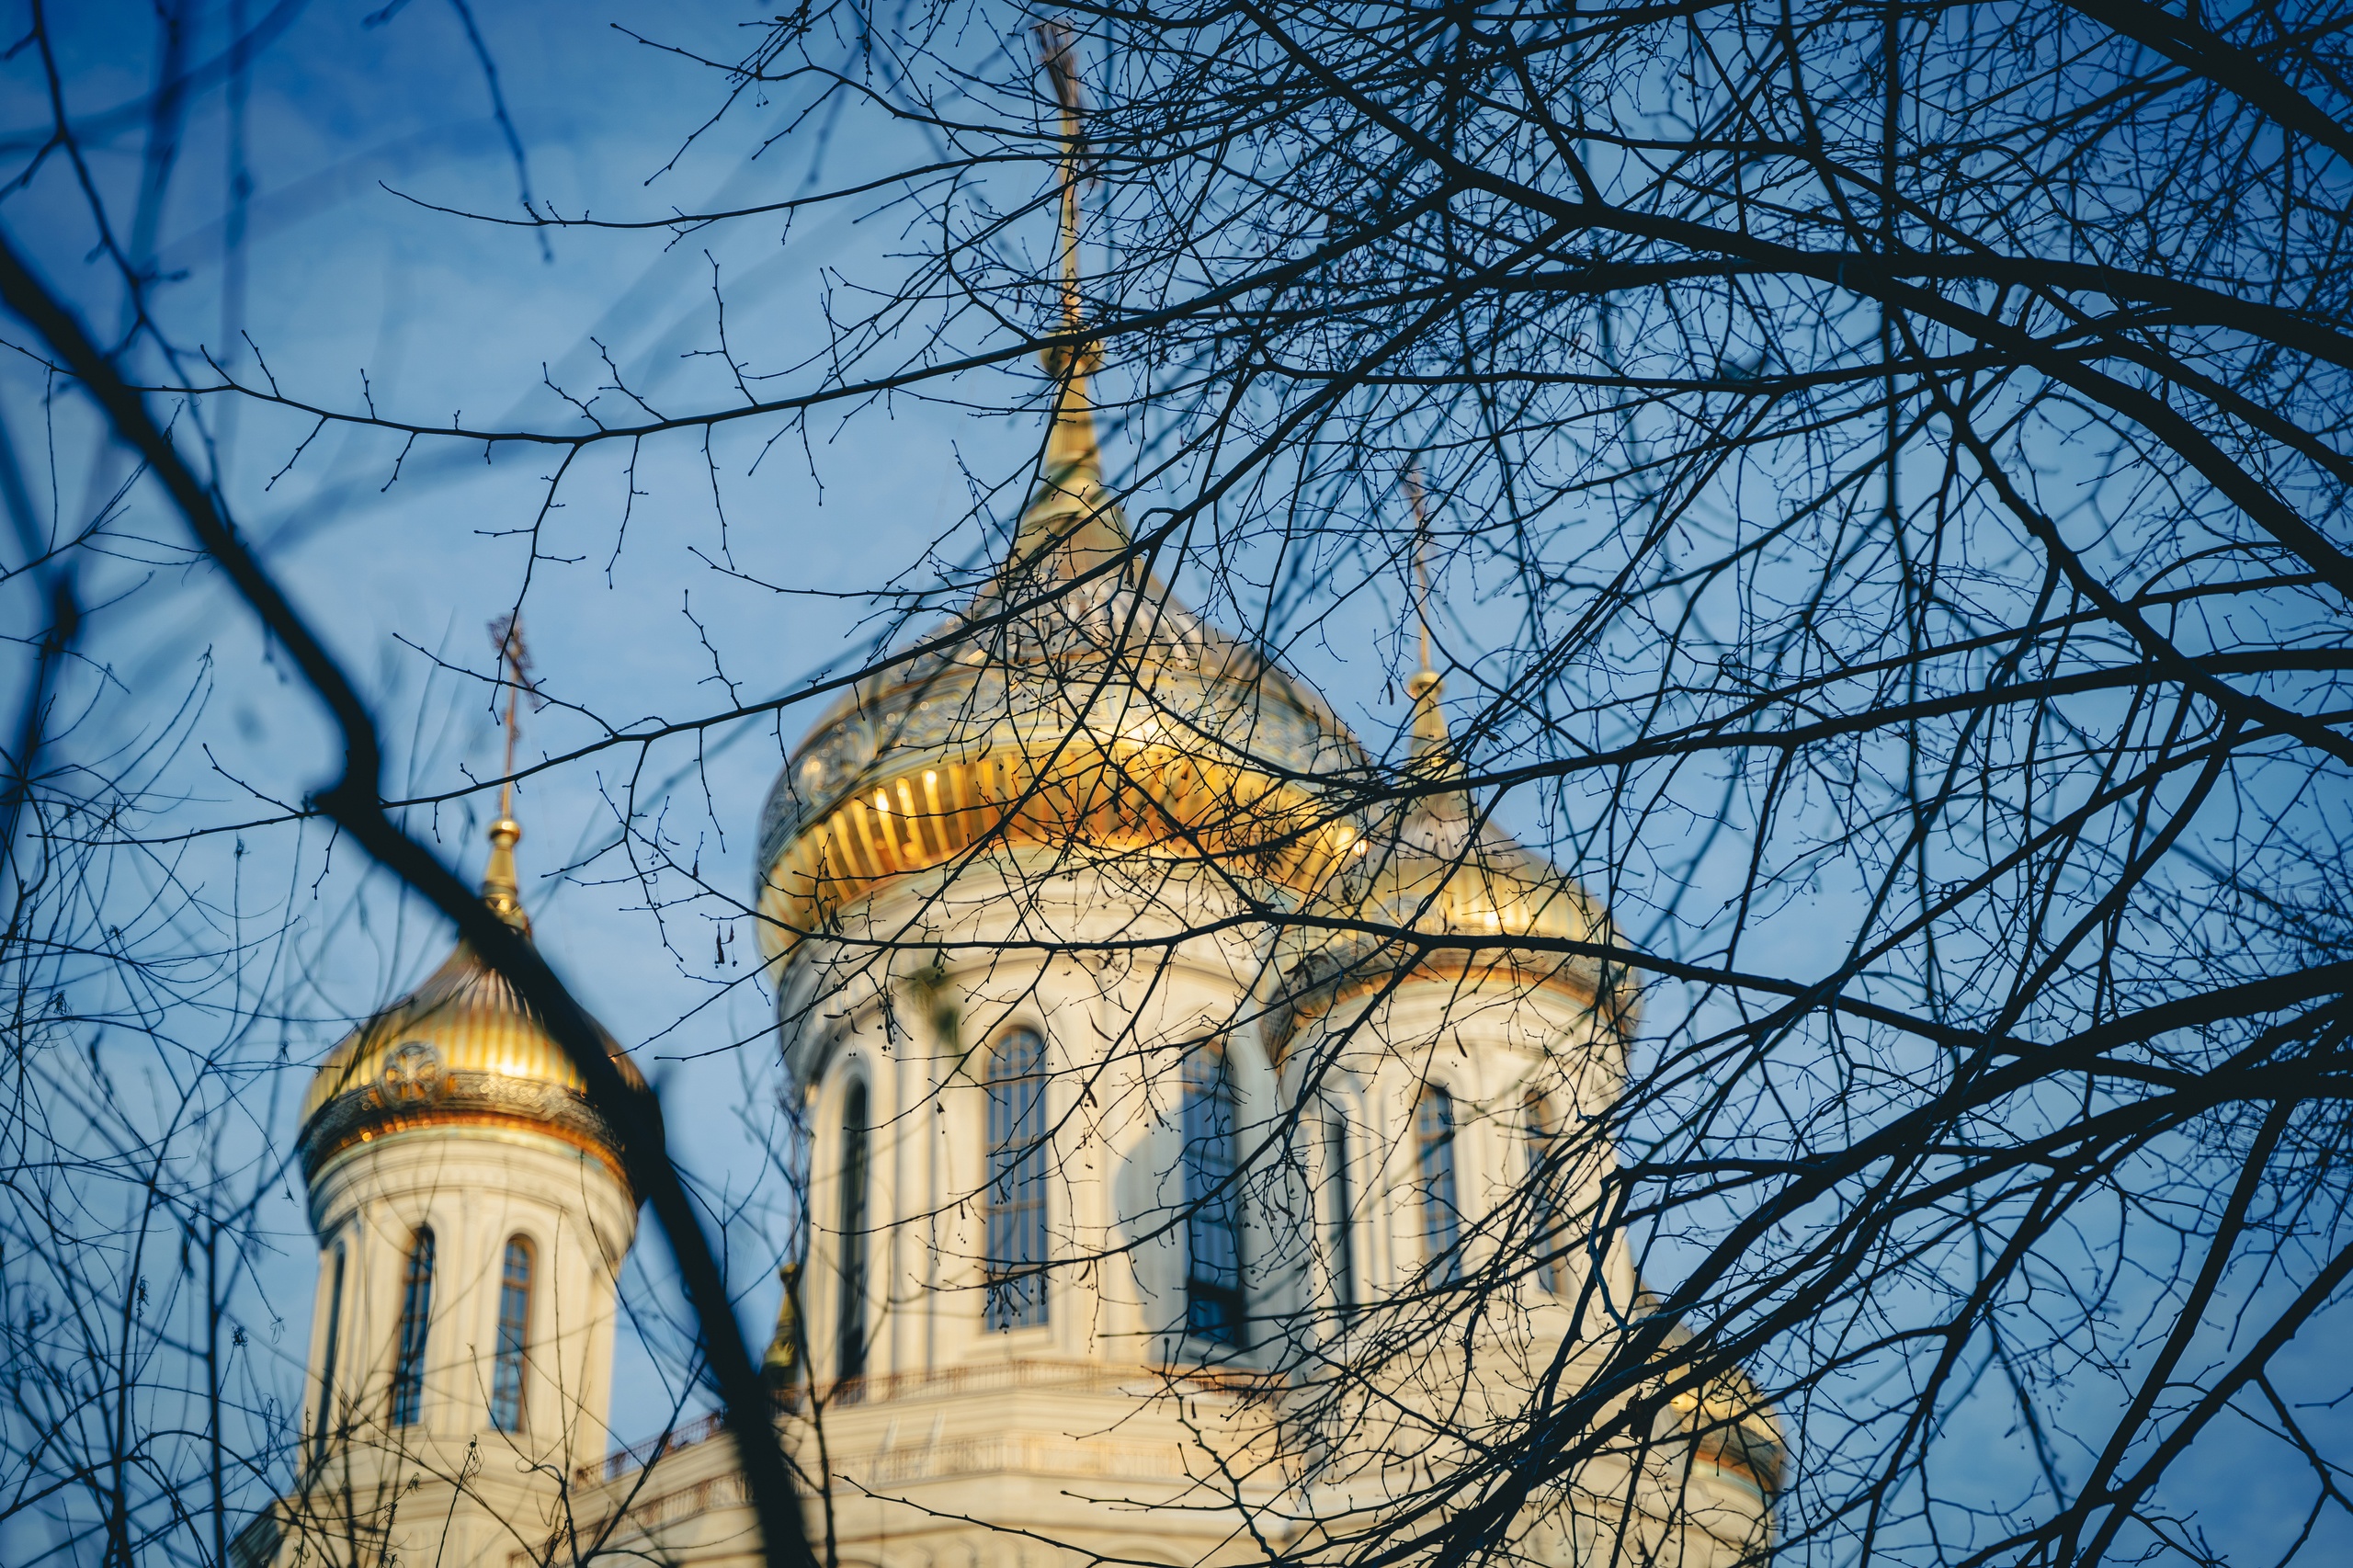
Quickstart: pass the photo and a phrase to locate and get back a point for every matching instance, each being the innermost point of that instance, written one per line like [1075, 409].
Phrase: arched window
[326, 1364]
[514, 1337]
[1339, 1209]
[1442, 1214]
[1016, 1201]
[1543, 1185]
[416, 1317]
[1213, 1298]
[849, 1313]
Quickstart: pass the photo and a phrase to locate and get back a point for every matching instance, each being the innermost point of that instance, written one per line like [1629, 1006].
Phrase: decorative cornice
[1511, 972]
[421, 1096]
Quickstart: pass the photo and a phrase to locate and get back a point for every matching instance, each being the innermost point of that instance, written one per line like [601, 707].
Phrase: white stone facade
[378, 1489]
[1013, 841]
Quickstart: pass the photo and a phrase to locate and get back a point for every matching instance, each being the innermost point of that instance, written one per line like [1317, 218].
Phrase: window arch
[1213, 1294]
[849, 1312]
[416, 1318]
[1340, 1209]
[514, 1336]
[1543, 1132]
[333, 1339]
[1015, 1198]
[1442, 1211]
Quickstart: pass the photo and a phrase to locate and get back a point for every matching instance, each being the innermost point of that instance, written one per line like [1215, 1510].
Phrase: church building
[1194, 1172]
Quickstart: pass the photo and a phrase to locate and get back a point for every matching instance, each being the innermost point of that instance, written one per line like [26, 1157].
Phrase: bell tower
[472, 1213]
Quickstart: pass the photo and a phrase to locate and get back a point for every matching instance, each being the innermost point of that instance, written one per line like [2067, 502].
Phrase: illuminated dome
[1436, 866]
[1072, 702]
[460, 1049]
[1429, 863]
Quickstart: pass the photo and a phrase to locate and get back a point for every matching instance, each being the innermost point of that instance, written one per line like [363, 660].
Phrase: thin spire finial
[1069, 520]
[512, 661]
[500, 889]
[1430, 740]
[1055, 53]
[1421, 558]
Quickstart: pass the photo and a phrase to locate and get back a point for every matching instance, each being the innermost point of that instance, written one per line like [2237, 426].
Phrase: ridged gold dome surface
[461, 1050]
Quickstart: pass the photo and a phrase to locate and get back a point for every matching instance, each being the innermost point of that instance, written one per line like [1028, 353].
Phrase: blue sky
[741, 573]
[440, 315]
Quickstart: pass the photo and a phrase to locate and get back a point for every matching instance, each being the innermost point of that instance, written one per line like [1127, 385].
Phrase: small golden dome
[1436, 868]
[1426, 863]
[1734, 1431]
[460, 1049]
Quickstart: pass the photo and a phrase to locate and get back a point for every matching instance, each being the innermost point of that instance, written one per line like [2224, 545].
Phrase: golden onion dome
[462, 1050]
[1732, 1429]
[1429, 863]
[1436, 866]
[1072, 701]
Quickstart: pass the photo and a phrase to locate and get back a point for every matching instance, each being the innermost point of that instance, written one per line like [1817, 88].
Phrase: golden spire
[1429, 736]
[500, 889]
[1070, 509]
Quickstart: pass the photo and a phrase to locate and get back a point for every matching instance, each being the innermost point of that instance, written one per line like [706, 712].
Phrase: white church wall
[475, 1187]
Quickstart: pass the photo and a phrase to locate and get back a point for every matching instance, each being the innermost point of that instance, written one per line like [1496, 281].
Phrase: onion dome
[1732, 1431]
[1435, 867]
[1072, 703]
[462, 1050]
[1429, 863]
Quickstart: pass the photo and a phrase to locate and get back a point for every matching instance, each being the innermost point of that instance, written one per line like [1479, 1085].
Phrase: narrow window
[1016, 1190]
[1544, 1222]
[849, 1317]
[1340, 1210]
[1213, 1303]
[514, 1332]
[1441, 1216]
[327, 1365]
[416, 1316]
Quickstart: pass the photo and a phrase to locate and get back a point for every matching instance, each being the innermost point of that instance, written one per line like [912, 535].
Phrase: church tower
[1158, 1063]
[1014, 971]
[1140, 1123]
[472, 1213]
[1200, 1124]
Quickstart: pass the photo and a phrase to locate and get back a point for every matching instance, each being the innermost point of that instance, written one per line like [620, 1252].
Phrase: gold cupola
[1074, 703]
[1435, 865]
[461, 1051]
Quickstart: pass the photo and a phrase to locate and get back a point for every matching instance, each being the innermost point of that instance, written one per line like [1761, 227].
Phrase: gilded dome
[1732, 1430]
[1073, 700]
[461, 1050]
[1436, 866]
[1430, 862]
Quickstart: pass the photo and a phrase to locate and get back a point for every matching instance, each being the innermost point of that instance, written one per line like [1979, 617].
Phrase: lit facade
[1140, 1128]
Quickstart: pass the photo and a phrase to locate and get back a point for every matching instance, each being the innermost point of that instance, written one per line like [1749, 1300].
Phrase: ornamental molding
[396, 1102]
